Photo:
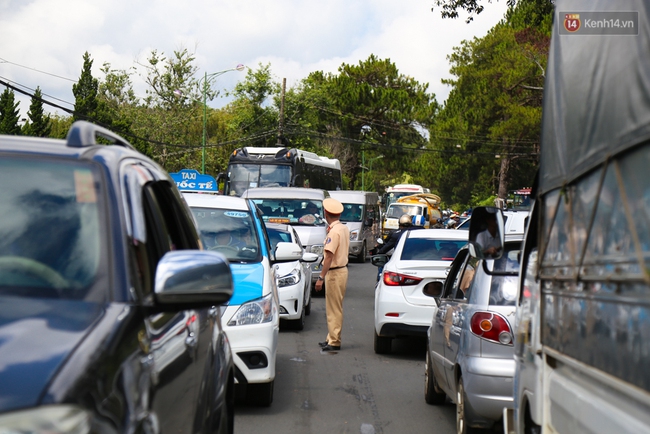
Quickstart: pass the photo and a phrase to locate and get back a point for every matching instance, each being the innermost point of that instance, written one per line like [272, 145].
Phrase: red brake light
[396, 279]
[492, 327]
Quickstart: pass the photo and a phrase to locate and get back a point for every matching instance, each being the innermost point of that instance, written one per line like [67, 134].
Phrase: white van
[293, 206]
[361, 215]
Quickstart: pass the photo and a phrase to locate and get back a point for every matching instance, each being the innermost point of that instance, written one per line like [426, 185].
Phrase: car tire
[299, 324]
[433, 395]
[361, 257]
[260, 395]
[308, 307]
[382, 344]
[462, 426]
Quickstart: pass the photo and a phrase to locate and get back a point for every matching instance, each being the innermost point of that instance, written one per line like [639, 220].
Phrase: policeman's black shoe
[323, 344]
[328, 348]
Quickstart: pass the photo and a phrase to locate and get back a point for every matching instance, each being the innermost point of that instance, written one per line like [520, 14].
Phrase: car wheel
[260, 394]
[461, 417]
[308, 307]
[299, 323]
[432, 393]
[361, 258]
[382, 344]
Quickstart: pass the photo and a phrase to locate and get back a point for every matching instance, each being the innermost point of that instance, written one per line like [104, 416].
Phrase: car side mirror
[433, 289]
[486, 233]
[285, 252]
[379, 260]
[309, 257]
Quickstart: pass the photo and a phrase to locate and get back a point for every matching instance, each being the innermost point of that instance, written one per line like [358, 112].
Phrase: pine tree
[85, 92]
[39, 124]
[9, 114]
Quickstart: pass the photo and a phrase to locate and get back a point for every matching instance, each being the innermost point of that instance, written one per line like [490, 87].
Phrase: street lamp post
[363, 168]
[206, 86]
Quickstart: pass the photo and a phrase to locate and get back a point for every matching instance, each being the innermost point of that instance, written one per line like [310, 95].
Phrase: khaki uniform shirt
[338, 243]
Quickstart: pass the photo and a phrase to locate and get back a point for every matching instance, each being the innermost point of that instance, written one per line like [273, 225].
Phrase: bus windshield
[398, 210]
[245, 176]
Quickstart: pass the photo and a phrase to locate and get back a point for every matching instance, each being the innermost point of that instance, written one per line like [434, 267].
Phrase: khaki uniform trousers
[336, 282]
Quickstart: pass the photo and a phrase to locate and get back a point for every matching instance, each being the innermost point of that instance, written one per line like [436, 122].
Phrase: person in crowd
[489, 239]
[226, 239]
[334, 273]
[404, 223]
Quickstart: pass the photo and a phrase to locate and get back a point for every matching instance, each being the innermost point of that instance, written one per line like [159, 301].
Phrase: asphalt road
[354, 390]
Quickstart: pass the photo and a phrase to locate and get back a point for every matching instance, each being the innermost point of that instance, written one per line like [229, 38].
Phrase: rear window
[422, 249]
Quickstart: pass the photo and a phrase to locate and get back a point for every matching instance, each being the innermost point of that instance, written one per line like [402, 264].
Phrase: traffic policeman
[334, 273]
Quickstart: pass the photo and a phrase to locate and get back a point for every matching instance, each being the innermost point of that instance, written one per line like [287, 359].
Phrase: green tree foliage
[537, 10]
[9, 113]
[369, 108]
[85, 92]
[39, 124]
[171, 114]
[487, 135]
[253, 115]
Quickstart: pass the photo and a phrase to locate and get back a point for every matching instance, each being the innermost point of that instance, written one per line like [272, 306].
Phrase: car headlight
[317, 248]
[290, 279]
[254, 312]
[46, 419]
[353, 235]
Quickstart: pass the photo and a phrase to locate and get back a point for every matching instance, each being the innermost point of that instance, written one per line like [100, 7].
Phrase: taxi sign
[192, 180]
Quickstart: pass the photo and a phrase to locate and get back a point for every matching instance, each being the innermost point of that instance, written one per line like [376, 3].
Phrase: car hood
[36, 338]
[311, 235]
[248, 282]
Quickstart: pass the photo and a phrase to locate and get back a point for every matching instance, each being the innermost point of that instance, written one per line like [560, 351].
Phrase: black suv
[109, 309]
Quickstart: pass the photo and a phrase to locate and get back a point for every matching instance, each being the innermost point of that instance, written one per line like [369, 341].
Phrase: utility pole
[281, 120]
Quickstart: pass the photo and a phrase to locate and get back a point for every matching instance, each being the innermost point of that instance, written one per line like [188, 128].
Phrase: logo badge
[572, 22]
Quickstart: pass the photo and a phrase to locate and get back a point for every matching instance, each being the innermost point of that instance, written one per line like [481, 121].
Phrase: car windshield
[424, 249]
[301, 212]
[352, 212]
[230, 232]
[50, 229]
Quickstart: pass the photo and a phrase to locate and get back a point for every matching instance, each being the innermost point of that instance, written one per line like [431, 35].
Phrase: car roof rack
[83, 133]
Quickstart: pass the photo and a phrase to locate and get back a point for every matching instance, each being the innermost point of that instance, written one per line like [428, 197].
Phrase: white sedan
[411, 278]
[293, 278]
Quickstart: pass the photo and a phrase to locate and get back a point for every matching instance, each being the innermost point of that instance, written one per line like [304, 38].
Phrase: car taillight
[491, 326]
[396, 279]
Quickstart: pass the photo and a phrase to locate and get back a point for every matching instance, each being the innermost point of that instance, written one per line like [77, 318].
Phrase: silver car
[470, 342]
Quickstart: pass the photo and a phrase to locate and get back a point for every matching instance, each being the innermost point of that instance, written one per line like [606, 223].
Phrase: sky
[42, 42]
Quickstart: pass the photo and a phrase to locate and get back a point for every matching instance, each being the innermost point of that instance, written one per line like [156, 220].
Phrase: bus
[396, 191]
[251, 167]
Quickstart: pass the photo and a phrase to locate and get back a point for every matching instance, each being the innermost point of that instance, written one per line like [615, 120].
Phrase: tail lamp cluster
[396, 279]
[492, 327]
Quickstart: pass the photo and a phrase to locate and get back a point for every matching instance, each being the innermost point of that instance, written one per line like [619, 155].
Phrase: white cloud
[295, 37]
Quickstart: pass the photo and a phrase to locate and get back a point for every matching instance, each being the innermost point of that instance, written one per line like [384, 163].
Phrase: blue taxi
[233, 226]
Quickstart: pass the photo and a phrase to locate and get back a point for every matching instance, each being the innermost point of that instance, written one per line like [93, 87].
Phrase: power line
[34, 90]
[37, 70]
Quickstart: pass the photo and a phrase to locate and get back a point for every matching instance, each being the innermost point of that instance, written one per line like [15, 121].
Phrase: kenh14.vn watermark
[599, 23]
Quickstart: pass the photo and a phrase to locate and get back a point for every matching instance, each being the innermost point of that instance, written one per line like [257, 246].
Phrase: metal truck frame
[582, 343]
